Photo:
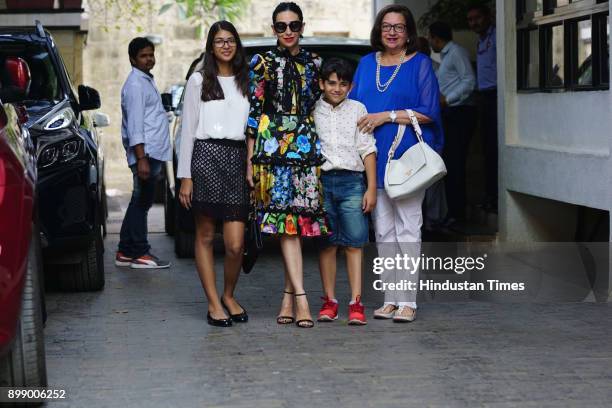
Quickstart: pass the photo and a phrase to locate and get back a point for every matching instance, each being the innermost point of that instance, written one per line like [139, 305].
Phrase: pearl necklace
[383, 87]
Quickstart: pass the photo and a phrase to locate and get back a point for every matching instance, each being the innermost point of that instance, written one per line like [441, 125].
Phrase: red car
[22, 351]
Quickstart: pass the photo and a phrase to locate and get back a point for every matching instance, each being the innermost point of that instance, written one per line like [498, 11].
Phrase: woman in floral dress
[284, 153]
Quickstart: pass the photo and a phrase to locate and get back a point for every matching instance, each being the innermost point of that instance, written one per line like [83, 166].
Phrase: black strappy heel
[304, 323]
[286, 319]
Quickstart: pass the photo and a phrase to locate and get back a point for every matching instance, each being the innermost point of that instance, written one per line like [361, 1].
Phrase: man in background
[457, 83]
[434, 205]
[146, 138]
[480, 21]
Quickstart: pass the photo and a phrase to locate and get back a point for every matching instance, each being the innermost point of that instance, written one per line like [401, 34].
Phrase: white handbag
[418, 168]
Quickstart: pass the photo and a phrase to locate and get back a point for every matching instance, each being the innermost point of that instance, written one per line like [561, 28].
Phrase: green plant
[452, 12]
[204, 12]
[137, 13]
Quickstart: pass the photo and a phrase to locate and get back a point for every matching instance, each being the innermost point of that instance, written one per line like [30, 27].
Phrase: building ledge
[68, 19]
[595, 154]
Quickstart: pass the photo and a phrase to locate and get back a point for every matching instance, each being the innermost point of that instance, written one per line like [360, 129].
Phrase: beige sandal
[404, 314]
[385, 312]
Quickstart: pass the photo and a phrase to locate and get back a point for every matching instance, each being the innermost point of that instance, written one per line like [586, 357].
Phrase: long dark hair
[211, 88]
[411, 31]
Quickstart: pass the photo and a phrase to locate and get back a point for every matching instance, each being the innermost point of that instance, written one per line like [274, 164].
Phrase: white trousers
[397, 224]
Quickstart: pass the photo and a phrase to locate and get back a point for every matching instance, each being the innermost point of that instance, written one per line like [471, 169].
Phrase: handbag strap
[415, 124]
[400, 133]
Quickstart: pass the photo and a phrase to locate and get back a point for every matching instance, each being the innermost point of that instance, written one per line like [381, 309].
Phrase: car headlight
[60, 121]
[48, 156]
[59, 152]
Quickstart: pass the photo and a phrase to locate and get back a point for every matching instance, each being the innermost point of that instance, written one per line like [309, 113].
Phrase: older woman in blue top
[395, 78]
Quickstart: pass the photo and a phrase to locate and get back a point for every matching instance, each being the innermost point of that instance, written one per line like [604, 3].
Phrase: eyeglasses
[398, 28]
[220, 42]
[280, 26]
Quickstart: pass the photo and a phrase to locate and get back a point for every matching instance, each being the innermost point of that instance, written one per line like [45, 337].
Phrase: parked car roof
[22, 33]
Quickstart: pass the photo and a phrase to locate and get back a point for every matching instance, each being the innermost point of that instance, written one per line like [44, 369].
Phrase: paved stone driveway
[144, 342]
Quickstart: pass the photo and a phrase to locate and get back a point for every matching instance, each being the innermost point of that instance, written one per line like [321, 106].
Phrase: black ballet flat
[218, 322]
[242, 317]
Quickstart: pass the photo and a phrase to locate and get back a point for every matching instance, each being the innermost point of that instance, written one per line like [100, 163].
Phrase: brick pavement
[144, 342]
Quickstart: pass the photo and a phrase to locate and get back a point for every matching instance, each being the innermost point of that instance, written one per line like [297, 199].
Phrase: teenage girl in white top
[212, 164]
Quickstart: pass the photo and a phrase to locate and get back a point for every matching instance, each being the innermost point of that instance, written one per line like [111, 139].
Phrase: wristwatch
[392, 116]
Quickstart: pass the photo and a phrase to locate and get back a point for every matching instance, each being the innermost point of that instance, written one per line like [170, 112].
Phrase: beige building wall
[106, 65]
[351, 18]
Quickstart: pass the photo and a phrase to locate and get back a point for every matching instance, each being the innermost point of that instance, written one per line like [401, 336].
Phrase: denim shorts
[343, 192]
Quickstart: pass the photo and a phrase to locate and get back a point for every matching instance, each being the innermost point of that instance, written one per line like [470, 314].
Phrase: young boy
[348, 153]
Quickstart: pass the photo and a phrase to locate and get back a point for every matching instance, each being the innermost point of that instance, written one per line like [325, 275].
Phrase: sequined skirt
[218, 170]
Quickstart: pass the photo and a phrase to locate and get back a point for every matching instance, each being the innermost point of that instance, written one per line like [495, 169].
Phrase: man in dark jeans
[457, 83]
[480, 21]
[146, 138]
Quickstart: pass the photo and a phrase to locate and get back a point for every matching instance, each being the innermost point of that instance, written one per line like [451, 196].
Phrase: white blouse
[343, 145]
[220, 119]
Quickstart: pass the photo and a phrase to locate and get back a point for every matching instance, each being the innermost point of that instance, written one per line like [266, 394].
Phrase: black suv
[70, 188]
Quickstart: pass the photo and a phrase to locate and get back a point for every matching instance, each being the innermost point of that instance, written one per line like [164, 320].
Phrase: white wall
[575, 122]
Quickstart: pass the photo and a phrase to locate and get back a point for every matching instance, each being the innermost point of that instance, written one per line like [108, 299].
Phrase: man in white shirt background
[146, 139]
[457, 83]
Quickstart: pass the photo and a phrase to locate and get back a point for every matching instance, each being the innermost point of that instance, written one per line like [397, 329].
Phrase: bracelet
[140, 158]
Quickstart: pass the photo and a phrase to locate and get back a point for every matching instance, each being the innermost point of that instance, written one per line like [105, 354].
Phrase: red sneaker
[122, 260]
[357, 313]
[329, 310]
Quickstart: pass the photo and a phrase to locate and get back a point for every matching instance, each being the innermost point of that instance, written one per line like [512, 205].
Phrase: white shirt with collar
[343, 145]
[455, 75]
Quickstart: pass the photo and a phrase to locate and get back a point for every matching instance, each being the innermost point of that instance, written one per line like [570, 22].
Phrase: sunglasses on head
[280, 27]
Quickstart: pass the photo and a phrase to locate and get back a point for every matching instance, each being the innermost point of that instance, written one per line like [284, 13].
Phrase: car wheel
[88, 274]
[169, 210]
[25, 364]
[183, 240]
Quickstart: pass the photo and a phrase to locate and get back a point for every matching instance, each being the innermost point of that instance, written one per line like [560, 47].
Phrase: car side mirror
[16, 79]
[101, 120]
[89, 98]
[167, 102]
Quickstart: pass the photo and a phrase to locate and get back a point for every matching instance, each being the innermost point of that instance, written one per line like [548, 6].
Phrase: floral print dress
[287, 155]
